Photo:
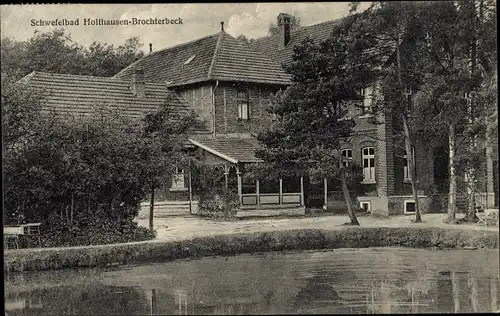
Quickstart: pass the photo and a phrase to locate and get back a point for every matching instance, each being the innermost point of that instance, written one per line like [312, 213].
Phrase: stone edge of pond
[231, 244]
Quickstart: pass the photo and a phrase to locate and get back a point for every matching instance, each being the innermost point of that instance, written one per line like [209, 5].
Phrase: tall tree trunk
[471, 170]
[404, 114]
[411, 169]
[347, 197]
[452, 192]
[151, 206]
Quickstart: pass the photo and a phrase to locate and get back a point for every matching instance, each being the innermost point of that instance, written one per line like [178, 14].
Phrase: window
[406, 171]
[366, 206]
[368, 159]
[346, 157]
[409, 207]
[189, 60]
[367, 95]
[242, 100]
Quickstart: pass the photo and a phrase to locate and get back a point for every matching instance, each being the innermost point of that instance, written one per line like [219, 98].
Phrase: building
[229, 84]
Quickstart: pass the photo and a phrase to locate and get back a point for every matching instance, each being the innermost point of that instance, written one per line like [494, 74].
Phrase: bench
[12, 234]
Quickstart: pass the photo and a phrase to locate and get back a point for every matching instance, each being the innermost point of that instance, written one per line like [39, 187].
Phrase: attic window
[189, 60]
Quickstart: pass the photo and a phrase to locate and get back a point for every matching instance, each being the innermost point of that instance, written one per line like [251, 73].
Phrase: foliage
[47, 259]
[83, 177]
[215, 200]
[245, 39]
[56, 52]
[224, 205]
[312, 112]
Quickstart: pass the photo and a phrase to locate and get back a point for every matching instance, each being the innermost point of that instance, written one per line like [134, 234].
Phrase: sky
[198, 20]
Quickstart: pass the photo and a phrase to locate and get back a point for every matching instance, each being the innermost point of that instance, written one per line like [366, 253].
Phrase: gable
[216, 57]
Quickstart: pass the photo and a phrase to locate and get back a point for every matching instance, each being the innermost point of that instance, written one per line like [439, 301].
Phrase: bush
[223, 205]
[91, 229]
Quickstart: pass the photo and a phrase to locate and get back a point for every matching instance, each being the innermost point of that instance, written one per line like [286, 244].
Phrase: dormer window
[189, 60]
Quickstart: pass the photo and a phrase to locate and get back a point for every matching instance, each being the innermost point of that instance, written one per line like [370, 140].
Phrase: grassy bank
[158, 251]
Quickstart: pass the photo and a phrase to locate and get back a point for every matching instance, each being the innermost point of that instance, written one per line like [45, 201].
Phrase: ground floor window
[409, 206]
[366, 206]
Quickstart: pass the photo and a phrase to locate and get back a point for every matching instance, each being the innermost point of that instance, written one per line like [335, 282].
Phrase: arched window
[346, 157]
[368, 160]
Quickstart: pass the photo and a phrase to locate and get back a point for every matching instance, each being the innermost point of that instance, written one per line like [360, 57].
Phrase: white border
[404, 205]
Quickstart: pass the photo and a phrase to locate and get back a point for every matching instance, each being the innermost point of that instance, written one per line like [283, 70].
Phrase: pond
[373, 280]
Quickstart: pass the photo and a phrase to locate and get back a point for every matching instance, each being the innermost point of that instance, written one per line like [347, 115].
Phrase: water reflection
[298, 283]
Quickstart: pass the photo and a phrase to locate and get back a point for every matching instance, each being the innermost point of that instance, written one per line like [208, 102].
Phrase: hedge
[161, 251]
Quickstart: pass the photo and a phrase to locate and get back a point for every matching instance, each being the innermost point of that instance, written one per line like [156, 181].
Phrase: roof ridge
[163, 50]
[302, 28]
[214, 57]
[32, 74]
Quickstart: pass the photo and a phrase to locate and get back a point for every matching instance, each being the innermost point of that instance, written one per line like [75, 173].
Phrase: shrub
[223, 205]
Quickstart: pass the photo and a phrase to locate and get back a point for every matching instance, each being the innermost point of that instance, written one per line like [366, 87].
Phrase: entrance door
[178, 182]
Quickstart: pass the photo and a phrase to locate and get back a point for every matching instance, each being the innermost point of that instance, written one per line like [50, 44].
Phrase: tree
[245, 39]
[80, 174]
[165, 132]
[311, 112]
[396, 24]
[294, 25]
[448, 104]
[56, 52]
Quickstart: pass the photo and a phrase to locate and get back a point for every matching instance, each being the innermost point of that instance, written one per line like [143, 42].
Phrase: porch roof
[234, 150]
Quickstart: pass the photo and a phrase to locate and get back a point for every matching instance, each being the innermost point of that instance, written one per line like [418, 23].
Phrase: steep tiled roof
[318, 32]
[168, 65]
[232, 149]
[269, 44]
[72, 94]
[216, 57]
[234, 60]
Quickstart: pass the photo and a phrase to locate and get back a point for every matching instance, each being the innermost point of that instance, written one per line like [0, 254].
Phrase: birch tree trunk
[471, 170]
[411, 170]
[452, 192]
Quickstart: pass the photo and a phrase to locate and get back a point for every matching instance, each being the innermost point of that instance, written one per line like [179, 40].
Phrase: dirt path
[178, 228]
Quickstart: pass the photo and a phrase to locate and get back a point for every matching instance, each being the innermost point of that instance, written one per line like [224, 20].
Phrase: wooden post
[153, 302]
[325, 184]
[226, 174]
[302, 191]
[238, 174]
[281, 191]
[190, 190]
[151, 206]
[257, 190]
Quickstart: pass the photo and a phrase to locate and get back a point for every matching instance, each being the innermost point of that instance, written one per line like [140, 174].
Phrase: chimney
[138, 86]
[150, 47]
[284, 25]
[222, 26]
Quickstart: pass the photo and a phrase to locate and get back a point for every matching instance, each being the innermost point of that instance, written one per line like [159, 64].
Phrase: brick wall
[226, 108]
[199, 98]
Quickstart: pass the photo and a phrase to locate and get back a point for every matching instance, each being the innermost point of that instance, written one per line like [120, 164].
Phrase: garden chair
[481, 215]
[11, 236]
